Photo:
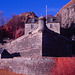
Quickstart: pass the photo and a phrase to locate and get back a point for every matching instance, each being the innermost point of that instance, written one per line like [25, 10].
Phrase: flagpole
[46, 14]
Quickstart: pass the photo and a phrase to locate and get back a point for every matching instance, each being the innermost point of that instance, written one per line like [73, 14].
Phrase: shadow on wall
[69, 32]
[15, 55]
[5, 54]
[73, 48]
[55, 45]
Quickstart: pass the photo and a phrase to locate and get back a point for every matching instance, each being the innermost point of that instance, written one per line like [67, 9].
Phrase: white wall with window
[51, 25]
[29, 27]
[32, 26]
[51, 19]
[54, 27]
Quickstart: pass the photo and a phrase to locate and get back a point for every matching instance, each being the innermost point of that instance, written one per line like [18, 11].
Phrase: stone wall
[55, 45]
[41, 42]
[40, 66]
[27, 46]
[28, 27]
[28, 66]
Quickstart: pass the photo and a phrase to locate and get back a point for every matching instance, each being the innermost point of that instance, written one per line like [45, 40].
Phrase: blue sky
[10, 7]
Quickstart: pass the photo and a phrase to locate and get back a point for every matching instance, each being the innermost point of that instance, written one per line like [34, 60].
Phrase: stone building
[53, 23]
[33, 23]
[41, 42]
[38, 51]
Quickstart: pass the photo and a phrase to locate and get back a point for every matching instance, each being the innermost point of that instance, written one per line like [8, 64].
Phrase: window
[51, 26]
[33, 20]
[32, 26]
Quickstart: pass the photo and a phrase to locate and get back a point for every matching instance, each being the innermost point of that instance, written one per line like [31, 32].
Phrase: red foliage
[15, 27]
[1, 32]
[64, 66]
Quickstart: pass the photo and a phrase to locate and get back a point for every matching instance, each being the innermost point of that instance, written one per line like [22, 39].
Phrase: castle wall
[41, 42]
[55, 45]
[28, 46]
[40, 66]
[28, 66]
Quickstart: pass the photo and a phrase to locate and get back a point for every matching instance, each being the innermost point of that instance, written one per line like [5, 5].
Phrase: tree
[3, 19]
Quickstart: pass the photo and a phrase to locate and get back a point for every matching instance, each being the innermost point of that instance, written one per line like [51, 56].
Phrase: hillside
[67, 20]
[66, 6]
[15, 26]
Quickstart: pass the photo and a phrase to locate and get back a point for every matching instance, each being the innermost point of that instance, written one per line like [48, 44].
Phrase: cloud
[53, 9]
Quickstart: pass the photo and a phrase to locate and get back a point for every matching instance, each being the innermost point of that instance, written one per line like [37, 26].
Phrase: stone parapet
[28, 66]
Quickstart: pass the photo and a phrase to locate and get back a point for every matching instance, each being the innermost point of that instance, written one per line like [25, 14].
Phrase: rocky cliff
[67, 19]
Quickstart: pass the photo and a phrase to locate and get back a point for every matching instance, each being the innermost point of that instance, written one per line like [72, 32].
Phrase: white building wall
[28, 28]
[55, 27]
[0, 56]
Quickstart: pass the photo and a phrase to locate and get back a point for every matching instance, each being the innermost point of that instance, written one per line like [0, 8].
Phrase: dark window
[54, 20]
[51, 26]
[32, 26]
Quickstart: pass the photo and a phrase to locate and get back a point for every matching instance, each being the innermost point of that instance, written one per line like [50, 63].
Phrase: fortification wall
[40, 66]
[28, 66]
[55, 45]
[27, 46]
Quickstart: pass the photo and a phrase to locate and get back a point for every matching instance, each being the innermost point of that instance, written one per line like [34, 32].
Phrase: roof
[32, 20]
[49, 16]
[52, 19]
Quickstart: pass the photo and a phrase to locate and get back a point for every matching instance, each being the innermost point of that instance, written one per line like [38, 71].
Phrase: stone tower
[42, 24]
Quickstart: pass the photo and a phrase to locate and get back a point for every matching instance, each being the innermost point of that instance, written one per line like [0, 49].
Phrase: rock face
[15, 27]
[67, 14]
[67, 19]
